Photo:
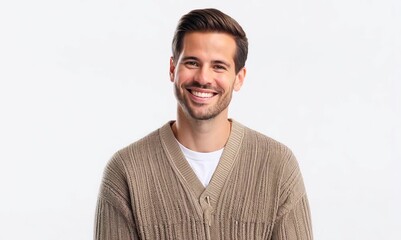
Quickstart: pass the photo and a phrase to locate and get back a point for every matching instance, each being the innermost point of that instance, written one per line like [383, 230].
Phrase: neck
[202, 135]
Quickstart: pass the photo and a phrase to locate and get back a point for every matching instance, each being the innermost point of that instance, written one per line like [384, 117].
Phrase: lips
[202, 94]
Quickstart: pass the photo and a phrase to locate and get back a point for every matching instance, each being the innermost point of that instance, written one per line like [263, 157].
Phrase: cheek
[183, 75]
[221, 81]
[225, 82]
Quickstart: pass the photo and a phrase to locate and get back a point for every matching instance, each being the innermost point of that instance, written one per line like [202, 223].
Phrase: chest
[165, 204]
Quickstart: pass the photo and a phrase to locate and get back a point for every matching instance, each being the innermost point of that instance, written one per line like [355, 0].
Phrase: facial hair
[190, 108]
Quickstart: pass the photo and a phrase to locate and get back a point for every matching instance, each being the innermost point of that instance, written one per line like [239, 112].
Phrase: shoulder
[136, 150]
[281, 163]
[149, 143]
[128, 160]
[272, 153]
[139, 147]
[264, 143]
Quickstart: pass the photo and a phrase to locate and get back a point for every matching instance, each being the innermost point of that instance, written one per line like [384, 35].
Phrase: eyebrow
[190, 58]
[214, 61]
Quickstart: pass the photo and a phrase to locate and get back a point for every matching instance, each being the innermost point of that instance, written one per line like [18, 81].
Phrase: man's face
[204, 74]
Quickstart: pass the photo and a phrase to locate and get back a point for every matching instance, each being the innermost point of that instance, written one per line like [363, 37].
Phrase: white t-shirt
[203, 164]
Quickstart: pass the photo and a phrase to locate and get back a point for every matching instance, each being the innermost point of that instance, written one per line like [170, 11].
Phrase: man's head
[211, 20]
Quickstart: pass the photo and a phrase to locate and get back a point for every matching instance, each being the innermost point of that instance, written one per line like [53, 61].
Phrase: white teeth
[202, 94]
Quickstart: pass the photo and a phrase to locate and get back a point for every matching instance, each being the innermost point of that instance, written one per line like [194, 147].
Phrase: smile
[202, 93]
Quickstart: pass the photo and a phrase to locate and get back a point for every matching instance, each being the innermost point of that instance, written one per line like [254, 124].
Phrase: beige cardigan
[149, 191]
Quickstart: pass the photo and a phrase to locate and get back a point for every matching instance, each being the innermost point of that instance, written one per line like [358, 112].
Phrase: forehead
[209, 45]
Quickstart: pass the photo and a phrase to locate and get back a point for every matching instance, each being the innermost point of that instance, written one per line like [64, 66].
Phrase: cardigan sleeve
[114, 219]
[295, 224]
[293, 220]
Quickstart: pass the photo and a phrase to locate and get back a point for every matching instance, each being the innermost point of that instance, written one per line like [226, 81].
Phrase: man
[204, 176]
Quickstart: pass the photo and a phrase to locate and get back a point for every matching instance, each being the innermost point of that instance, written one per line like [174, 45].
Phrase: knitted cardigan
[149, 191]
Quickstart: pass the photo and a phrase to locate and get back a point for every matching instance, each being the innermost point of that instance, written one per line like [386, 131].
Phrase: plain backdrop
[81, 79]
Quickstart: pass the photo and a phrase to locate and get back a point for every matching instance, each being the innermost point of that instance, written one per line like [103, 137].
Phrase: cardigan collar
[188, 177]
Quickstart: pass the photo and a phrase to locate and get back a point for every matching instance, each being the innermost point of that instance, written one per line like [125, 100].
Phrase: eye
[191, 64]
[219, 67]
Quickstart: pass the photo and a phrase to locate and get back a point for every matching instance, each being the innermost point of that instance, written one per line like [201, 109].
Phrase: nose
[203, 76]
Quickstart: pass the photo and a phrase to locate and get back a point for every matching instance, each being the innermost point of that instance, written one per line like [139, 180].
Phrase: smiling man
[204, 176]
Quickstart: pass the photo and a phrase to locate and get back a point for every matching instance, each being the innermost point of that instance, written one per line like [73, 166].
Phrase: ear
[239, 79]
[172, 69]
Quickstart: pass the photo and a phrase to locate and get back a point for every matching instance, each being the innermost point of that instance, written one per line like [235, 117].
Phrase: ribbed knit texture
[149, 191]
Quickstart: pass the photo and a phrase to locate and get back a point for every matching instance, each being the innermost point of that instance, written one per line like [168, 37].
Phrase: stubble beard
[189, 108]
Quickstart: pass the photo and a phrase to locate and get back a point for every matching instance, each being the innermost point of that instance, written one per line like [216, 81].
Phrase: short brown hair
[211, 20]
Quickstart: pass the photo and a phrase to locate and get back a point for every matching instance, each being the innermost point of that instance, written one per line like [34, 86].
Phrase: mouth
[202, 93]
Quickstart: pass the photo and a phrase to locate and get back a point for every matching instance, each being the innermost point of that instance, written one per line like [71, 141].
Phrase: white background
[82, 79]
